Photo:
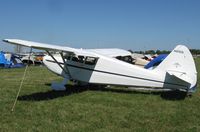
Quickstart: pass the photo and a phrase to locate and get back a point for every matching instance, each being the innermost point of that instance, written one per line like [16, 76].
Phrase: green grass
[90, 109]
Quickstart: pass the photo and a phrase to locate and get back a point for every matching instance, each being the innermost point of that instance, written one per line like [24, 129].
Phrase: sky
[126, 24]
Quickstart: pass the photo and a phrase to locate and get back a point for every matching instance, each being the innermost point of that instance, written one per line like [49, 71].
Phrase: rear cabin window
[127, 59]
[90, 60]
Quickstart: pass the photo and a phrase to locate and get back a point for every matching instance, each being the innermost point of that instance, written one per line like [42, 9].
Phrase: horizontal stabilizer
[180, 75]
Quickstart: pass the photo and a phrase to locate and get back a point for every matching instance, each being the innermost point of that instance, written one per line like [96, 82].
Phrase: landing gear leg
[60, 86]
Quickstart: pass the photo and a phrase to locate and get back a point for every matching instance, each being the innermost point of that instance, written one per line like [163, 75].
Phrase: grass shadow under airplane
[48, 95]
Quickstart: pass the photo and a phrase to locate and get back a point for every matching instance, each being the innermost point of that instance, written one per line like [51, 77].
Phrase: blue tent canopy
[9, 64]
[3, 61]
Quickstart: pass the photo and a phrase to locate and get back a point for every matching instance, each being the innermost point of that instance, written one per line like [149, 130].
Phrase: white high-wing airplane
[103, 66]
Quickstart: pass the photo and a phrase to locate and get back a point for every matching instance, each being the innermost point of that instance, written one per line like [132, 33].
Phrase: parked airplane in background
[113, 67]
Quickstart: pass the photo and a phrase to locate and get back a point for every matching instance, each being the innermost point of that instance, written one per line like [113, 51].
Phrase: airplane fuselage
[111, 71]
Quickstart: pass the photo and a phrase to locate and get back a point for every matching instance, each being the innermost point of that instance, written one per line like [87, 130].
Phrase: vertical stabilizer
[180, 64]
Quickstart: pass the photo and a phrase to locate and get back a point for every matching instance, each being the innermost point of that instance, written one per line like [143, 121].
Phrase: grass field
[91, 109]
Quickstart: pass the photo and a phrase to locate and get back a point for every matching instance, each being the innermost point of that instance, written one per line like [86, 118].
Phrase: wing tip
[5, 40]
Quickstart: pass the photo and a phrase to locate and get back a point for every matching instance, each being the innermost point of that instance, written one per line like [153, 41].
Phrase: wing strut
[61, 54]
[66, 72]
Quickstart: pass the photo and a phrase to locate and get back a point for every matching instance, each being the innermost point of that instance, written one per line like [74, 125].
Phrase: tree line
[153, 52]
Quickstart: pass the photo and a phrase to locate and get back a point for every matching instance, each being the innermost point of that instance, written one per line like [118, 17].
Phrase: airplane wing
[48, 47]
[111, 52]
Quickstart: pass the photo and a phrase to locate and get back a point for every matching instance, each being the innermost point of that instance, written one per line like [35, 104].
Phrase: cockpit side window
[68, 57]
[74, 58]
[81, 59]
[84, 59]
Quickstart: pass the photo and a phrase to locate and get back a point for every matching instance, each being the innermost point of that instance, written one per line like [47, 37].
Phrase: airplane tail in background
[180, 64]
